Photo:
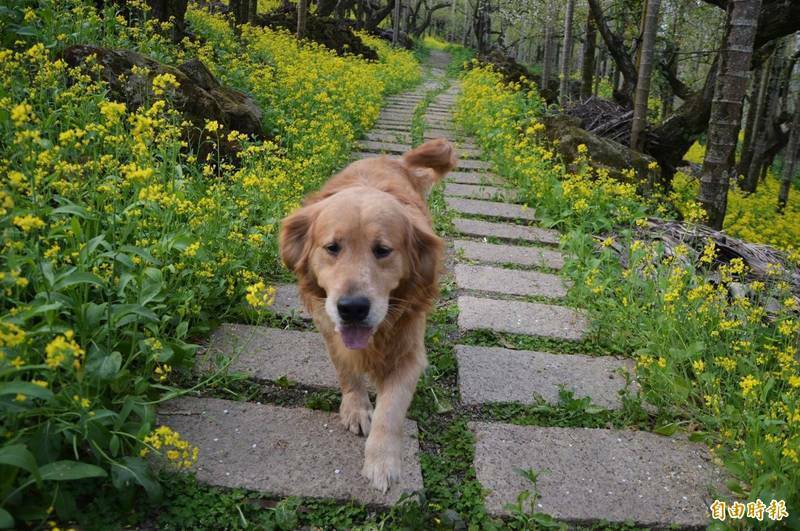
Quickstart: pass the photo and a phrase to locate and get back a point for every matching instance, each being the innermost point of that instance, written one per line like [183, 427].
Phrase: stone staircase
[504, 273]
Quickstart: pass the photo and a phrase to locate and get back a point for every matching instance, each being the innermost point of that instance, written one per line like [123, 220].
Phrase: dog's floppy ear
[425, 252]
[295, 238]
[437, 155]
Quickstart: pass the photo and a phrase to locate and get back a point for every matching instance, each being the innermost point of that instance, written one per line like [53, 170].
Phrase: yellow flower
[748, 384]
[10, 334]
[260, 296]
[28, 222]
[61, 348]
[111, 111]
[652, 166]
[212, 126]
[21, 114]
[163, 83]
[699, 365]
[20, 397]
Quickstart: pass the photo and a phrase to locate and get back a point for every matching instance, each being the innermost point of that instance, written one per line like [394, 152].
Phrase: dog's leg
[355, 412]
[382, 454]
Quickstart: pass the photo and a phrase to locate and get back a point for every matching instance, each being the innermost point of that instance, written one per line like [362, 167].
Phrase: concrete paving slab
[270, 354]
[479, 191]
[394, 137]
[475, 177]
[509, 281]
[586, 475]
[492, 374]
[470, 164]
[287, 302]
[510, 254]
[508, 231]
[283, 451]
[516, 317]
[490, 208]
[383, 147]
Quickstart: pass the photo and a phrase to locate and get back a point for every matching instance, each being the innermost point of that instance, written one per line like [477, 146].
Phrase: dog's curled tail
[437, 155]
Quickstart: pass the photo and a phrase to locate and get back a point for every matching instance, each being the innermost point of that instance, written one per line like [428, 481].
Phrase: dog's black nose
[353, 309]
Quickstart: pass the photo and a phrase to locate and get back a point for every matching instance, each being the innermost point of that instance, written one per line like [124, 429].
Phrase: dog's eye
[381, 251]
[333, 248]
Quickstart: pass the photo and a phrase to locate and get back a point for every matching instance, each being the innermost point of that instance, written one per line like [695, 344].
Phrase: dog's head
[363, 248]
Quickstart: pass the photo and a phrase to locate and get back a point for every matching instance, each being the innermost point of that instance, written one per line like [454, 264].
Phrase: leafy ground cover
[121, 249]
[718, 368]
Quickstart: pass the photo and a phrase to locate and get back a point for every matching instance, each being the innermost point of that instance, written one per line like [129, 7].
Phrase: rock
[335, 34]
[566, 134]
[199, 96]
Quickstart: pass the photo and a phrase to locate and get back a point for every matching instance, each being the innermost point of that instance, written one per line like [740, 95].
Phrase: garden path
[506, 275]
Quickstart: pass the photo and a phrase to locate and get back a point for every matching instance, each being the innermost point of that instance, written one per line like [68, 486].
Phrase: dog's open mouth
[355, 337]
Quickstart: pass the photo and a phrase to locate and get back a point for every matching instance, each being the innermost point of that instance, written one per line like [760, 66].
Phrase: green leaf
[73, 210]
[19, 456]
[76, 278]
[104, 367]
[667, 429]
[70, 470]
[6, 520]
[134, 470]
[25, 388]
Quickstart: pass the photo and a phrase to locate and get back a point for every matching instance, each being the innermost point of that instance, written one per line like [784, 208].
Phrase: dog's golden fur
[373, 202]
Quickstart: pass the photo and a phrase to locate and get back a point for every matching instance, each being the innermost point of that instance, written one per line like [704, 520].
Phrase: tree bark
[252, 12]
[764, 121]
[547, 59]
[163, 10]
[566, 54]
[790, 162]
[302, 18]
[726, 107]
[645, 71]
[746, 151]
[616, 48]
[588, 59]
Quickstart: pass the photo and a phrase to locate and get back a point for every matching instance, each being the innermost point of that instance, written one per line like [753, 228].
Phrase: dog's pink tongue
[355, 337]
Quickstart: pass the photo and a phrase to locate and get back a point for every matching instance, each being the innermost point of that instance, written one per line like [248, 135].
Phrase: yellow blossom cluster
[168, 443]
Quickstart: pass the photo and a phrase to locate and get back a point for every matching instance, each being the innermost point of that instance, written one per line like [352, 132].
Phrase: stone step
[439, 133]
[492, 374]
[394, 137]
[479, 191]
[383, 147]
[506, 231]
[287, 302]
[618, 476]
[510, 254]
[490, 208]
[474, 164]
[269, 354]
[391, 127]
[474, 177]
[283, 451]
[467, 152]
[516, 317]
[386, 122]
[509, 281]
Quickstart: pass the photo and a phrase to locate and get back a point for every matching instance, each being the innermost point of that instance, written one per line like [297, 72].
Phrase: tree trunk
[566, 54]
[547, 60]
[616, 47]
[163, 10]
[588, 62]
[252, 12]
[302, 18]
[645, 71]
[726, 107]
[764, 121]
[746, 151]
[790, 162]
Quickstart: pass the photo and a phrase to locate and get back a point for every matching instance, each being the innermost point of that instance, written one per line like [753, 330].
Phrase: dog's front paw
[382, 464]
[356, 413]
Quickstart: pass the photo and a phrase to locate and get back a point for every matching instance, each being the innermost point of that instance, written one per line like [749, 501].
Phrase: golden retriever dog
[367, 262]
